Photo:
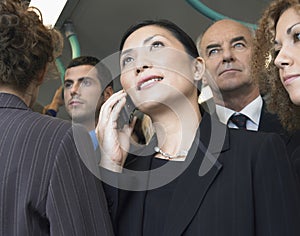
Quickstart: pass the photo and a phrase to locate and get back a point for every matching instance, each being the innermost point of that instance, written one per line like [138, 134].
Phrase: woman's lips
[148, 82]
[289, 78]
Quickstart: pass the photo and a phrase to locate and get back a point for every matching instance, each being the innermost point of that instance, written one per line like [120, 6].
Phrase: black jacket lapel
[192, 187]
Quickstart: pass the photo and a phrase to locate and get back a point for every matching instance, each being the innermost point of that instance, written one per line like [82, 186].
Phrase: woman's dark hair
[177, 32]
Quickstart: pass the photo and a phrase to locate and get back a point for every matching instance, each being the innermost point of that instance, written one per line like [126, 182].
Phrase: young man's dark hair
[104, 73]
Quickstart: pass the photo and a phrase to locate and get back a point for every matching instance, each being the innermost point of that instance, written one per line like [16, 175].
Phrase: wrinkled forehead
[224, 32]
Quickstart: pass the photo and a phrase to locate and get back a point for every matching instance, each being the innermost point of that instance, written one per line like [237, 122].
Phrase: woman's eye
[157, 44]
[126, 61]
[297, 37]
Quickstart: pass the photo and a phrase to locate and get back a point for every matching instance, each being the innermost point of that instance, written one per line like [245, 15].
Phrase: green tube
[211, 14]
[74, 45]
[61, 69]
[75, 53]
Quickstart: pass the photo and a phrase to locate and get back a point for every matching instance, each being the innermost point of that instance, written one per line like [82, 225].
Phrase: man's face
[226, 47]
[82, 93]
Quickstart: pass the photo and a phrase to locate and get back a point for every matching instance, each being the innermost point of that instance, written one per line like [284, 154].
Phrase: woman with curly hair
[45, 187]
[276, 64]
[275, 60]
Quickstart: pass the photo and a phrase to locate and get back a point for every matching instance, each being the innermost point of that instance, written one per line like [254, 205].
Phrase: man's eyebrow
[78, 79]
[68, 80]
[215, 45]
[239, 38]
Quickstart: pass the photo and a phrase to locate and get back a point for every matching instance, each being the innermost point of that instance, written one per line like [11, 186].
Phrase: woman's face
[287, 48]
[155, 68]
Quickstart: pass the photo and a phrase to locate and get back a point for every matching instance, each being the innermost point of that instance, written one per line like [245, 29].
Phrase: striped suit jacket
[45, 188]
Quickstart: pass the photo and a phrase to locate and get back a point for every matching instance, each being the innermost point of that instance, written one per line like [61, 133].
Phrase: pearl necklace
[169, 156]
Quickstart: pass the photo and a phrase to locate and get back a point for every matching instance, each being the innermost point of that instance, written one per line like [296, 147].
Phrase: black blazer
[45, 187]
[270, 123]
[247, 191]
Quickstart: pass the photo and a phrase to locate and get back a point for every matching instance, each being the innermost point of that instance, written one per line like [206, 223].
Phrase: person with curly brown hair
[276, 64]
[268, 66]
[46, 188]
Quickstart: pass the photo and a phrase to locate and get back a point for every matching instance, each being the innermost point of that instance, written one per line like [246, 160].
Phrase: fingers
[117, 109]
[128, 128]
[111, 108]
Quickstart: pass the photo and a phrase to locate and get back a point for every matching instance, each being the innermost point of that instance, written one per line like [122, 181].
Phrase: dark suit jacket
[45, 187]
[270, 123]
[247, 191]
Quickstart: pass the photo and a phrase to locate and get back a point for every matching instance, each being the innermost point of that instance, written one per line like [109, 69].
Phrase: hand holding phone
[127, 113]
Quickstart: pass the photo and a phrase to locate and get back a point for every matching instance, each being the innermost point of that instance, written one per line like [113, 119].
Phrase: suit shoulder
[254, 136]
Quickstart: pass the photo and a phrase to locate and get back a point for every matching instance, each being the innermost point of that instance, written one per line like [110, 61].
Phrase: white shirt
[252, 111]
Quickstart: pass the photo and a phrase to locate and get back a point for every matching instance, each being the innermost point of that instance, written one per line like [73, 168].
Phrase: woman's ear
[199, 68]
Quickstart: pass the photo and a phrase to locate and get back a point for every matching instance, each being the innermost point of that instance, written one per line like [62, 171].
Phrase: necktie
[239, 120]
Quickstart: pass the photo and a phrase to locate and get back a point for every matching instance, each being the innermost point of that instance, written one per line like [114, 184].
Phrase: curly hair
[26, 45]
[266, 72]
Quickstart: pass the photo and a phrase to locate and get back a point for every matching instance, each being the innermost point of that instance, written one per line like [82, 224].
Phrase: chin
[296, 101]
[295, 98]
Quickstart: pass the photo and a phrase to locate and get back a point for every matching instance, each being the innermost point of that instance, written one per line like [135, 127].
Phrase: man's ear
[108, 91]
[199, 68]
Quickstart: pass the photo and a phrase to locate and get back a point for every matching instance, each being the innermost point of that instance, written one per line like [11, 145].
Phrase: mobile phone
[126, 113]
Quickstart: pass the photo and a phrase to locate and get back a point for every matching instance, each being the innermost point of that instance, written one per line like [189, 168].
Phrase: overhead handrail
[75, 48]
[61, 69]
[72, 37]
[213, 15]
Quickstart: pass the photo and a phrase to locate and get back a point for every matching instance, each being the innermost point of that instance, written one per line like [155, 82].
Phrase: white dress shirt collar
[252, 111]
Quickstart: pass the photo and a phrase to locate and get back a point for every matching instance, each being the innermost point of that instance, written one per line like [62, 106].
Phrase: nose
[283, 59]
[140, 69]
[228, 55]
[143, 60]
[75, 89]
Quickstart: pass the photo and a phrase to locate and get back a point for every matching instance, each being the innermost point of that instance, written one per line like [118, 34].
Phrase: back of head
[104, 73]
[26, 45]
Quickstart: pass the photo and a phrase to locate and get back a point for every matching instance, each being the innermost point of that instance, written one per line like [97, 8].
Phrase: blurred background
[96, 26]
